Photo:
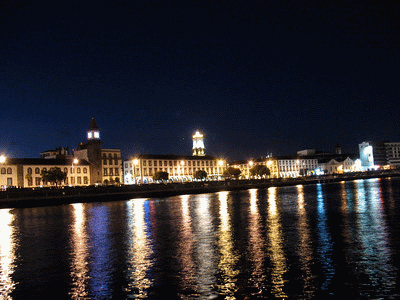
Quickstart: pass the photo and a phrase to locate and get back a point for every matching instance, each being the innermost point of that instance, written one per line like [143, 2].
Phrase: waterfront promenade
[48, 196]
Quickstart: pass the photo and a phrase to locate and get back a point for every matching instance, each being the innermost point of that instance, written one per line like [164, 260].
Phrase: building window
[111, 171]
[37, 180]
[85, 180]
[105, 171]
[37, 171]
[3, 170]
[9, 171]
[110, 160]
[79, 180]
[72, 180]
[65, 170]
[30, 181]
[9, 181]
[66, 180]
[44, 169]
[170, 163]
[116, 172]
[78, 170]
[165, 163]
[29, 170]
[115, 159]
[85, 170]
[144, 163]
[149, 163]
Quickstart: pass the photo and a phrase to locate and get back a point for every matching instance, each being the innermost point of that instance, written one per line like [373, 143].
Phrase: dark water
[302, 242]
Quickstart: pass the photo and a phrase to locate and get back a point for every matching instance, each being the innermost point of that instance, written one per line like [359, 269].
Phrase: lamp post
[75, 161]
[135, 163]
[2, 161]
[250, 165]
[220, 164]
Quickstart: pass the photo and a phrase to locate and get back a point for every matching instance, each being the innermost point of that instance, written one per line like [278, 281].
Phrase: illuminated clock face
[93, 135]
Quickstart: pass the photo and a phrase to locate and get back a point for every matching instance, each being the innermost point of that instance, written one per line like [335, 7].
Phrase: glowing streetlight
[2, 159]
[250, 165]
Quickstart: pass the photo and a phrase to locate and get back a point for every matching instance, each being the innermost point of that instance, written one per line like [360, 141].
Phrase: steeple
[93, 132]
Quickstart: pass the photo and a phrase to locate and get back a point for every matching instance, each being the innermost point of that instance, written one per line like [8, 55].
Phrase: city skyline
[254, 78]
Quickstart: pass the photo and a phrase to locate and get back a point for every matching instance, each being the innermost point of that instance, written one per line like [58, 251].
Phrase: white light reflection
[139, 249]
[325, 241]
[228, 257]
[186, 246]
[205, 251]
[79, 267]
[305, 250]
[277, 254]
[374, 254]
[256, 245]
[7, 253]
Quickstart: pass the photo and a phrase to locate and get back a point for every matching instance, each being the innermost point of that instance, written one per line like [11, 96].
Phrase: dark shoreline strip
[165, 191]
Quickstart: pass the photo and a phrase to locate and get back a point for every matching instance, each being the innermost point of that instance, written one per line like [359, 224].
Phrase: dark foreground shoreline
[15, 198]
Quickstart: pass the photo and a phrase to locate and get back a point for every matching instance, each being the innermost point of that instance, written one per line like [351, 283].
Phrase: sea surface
[302, 242]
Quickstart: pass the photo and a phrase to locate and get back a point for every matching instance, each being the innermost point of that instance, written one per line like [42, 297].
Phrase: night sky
[256, 77]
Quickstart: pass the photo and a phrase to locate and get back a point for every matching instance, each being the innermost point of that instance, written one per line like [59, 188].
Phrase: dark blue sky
[254, 76]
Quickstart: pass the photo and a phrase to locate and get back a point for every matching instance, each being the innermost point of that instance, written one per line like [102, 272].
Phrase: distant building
[379, 154]
[106, 164]
[142, 168]
[59, 152]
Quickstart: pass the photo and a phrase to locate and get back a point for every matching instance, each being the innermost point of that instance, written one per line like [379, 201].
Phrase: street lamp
[250, 165]
[220, 164]
[135, 163]
[182, 163]
[75, 161]
[2, 159]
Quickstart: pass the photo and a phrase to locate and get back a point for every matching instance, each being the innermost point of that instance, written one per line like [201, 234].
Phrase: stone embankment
[64, 195]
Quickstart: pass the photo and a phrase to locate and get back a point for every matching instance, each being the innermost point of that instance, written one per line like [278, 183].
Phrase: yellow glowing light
[220, 162]
[251, 163]
[198, 135]
[2, 159]
[76, 161]
[135, 162]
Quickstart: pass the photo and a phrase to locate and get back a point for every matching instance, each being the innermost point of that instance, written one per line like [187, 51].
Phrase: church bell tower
[94, 151]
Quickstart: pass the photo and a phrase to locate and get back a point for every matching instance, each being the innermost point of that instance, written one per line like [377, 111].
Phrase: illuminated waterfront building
[379, 154]
[142, 168]
[26, 172]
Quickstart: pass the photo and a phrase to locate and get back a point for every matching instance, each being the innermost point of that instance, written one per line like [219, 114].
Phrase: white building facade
[142, 168]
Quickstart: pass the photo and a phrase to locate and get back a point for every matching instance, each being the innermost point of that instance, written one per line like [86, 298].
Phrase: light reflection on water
[324, 241]
[296, 242]
[256, 246]
[275, 246]
[373, 255]
[139, 249]
[7, 253]
[228, 256]
[79, 256]
[305, 245]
